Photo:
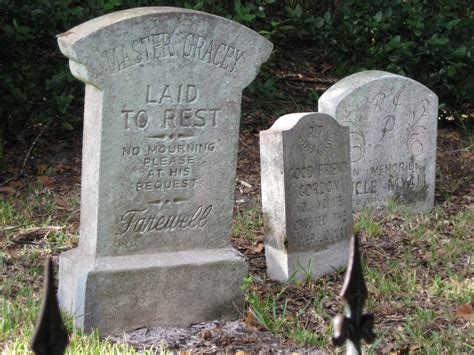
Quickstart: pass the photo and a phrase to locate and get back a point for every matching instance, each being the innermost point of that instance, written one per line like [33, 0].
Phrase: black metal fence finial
[51, 336]
[356, 325]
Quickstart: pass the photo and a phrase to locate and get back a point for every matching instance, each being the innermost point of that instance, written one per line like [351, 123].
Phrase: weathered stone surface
[393, 128]
[306, 195]
[111, 294]
[161, 125]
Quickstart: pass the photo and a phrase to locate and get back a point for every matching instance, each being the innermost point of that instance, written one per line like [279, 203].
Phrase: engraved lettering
[396, 100]
[141, 119]
[131, 151]
[186, 117]
[181, 94]
[142, 221]
[126, 112]
[379, 99]
[139, 53]
[154, 47]
[389, 124]
[222, 46]
[209, 51]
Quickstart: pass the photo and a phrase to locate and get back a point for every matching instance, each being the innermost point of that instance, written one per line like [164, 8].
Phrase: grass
[415, 286]
[26, 236]
[416, 281]
[418, 270]
[363, 221]
[247, 224]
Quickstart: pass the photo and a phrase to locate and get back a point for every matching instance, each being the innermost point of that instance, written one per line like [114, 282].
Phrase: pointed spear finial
[356, 325]
[51, 336]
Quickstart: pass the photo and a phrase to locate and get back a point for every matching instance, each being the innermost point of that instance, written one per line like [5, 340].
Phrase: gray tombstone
[306, 195]
[161, 126]
[393, 127]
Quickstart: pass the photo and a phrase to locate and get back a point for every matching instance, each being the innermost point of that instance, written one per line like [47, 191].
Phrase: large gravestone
[306, 195]
[161, 124]
[393, 128]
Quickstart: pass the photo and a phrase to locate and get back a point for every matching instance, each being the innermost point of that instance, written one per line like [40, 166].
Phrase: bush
[37, 85]
[428, 41]
[36, 81]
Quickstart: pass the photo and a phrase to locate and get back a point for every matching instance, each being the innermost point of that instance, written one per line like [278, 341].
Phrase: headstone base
[281, 266]
[121, 293]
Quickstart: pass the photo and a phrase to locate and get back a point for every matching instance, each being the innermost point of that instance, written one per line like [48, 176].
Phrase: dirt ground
[55, 161]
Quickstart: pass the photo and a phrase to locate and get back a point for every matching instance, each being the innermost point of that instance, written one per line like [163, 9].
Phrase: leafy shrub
[36, 81]
[429, 41]
[37, 85]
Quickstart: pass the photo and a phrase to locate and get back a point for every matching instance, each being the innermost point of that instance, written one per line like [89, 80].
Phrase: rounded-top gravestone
[161, 124]
[306, 195]
[393, 127]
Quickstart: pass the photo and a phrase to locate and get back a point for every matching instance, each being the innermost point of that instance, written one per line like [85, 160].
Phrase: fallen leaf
[414, 348]
[246, 184]
[7, 190]
[427, 256]
[45, 180]
[258, 248]
[249, 339]
[15, 183]
[465, 311]
[206, 335]
[387, 349]
[442, 252]
[218, 328]
[249, 320]
[62, 202]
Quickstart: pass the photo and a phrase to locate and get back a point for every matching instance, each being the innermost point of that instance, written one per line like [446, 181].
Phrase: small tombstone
[393, 128]
[161, 124]
[306, 195]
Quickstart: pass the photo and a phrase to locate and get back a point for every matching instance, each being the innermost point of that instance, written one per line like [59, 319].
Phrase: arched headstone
[306, 195]
[161, 124]
[393, 127]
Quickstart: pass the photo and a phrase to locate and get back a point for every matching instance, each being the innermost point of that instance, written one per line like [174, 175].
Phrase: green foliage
[247, 224]
[261, 89]
[267, 310]
[313, 97]
[428, 41]
[37, 84]
[364, 222]
[278, 29]
[428, 257]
